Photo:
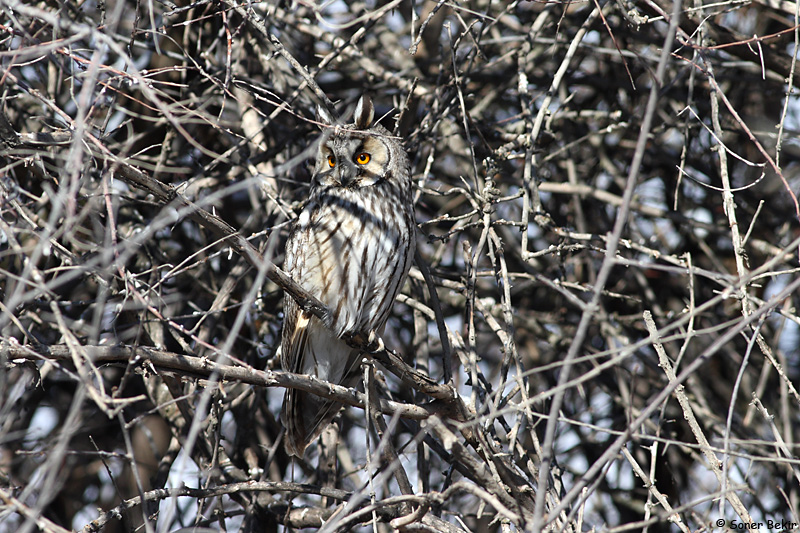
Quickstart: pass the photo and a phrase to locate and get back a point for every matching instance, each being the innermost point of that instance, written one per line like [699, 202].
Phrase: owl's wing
[295, 338]
[295, 335]
[312, 349]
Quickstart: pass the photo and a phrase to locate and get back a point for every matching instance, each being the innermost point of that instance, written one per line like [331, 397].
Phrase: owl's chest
[352, 252]
[353, 225]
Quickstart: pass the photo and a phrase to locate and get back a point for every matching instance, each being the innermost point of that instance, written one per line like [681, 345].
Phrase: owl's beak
[347, 173]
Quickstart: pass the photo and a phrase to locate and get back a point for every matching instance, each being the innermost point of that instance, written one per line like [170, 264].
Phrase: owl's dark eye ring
[362, 158]
[331, 161]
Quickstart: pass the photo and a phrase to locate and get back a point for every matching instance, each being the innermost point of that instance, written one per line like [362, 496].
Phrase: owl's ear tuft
[365, 113]
[324, 117]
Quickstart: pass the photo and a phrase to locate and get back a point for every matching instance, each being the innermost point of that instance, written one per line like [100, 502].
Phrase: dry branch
[604, 307]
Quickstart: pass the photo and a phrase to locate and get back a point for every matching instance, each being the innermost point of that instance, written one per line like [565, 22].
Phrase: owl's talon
[374, 343]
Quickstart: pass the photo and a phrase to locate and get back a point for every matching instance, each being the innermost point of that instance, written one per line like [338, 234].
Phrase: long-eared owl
[351, 247]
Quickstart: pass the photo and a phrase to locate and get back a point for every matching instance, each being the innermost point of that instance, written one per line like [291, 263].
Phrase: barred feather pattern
[351, 247]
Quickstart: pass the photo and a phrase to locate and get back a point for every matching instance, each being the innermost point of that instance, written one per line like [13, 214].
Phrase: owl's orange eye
[362, 158]
[331, 161]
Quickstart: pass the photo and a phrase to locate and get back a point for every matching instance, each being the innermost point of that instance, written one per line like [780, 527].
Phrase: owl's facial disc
[353, 162]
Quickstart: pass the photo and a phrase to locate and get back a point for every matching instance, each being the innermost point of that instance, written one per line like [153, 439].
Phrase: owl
[351, 247]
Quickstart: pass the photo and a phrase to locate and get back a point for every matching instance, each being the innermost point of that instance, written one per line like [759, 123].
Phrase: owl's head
[361, 154]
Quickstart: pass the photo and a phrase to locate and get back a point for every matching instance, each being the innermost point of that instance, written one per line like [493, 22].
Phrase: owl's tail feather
[305, 416]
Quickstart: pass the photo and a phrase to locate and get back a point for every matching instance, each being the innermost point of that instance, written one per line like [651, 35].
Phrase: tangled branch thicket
[601, 330]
